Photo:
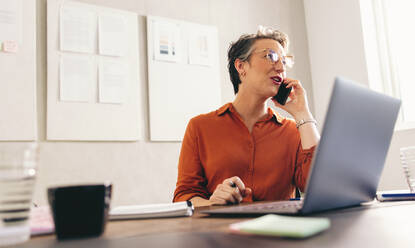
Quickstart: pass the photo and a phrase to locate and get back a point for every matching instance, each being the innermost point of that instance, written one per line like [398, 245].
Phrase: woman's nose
[279, 66]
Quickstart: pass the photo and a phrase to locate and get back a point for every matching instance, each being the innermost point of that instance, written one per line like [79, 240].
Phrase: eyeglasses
[273, 57]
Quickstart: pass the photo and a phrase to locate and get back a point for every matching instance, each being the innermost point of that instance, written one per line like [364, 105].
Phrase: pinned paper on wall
[167, 45]
[11, 20]
[113, 79]
[112, 31]
[200, 51]
[76, 75]
[78, 28]
[10, 46]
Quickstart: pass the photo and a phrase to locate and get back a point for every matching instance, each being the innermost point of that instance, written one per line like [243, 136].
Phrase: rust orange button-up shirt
[218, 145]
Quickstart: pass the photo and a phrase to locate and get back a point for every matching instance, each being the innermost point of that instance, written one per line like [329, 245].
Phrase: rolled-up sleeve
[302, 166]
[191, 180]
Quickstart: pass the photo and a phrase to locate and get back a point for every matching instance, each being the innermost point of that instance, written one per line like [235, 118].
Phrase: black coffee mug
[80, 211]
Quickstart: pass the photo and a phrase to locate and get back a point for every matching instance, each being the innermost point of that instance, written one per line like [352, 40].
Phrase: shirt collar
[272, 114]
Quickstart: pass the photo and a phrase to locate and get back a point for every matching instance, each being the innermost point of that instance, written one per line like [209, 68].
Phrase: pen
[233, 185]
[295, 199]
[395, 196]
[190, 206]
[410, 195]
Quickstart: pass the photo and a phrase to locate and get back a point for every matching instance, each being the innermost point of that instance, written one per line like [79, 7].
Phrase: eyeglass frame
[273, 57]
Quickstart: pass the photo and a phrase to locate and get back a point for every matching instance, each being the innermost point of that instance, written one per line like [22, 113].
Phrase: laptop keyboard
[288, 207]
[279, 205]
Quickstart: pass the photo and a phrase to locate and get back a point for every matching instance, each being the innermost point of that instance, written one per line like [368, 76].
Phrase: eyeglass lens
[273, 56]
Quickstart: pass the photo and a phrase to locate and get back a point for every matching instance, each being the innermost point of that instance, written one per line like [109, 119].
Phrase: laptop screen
[354, 142]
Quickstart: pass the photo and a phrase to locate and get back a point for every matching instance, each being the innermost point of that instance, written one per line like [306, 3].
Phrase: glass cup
[17, 180]
[407, 155]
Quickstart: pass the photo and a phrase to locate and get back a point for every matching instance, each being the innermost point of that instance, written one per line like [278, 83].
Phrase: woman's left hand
[298, 105]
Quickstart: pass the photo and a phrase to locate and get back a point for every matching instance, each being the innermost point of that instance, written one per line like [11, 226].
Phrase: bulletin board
[18, 71]
[183, 75]
[93, 88]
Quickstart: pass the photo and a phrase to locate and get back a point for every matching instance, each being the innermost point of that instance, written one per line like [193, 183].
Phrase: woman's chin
[275, 91]
[271, 95]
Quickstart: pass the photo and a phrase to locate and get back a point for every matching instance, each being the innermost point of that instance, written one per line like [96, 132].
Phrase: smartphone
[282, 94]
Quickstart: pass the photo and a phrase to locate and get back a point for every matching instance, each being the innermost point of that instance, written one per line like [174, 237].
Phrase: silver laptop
[349, 159]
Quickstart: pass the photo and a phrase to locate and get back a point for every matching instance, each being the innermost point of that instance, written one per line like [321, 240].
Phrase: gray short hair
[242, 49]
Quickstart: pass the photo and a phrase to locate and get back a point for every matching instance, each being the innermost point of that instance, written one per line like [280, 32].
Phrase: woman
[244, 151]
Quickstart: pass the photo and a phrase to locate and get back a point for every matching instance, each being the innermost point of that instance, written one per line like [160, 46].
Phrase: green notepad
[283, 226]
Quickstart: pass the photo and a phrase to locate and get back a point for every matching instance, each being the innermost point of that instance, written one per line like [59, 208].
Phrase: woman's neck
[249, 107]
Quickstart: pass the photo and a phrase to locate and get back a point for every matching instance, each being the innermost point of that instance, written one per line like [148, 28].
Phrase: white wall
[337, 47]
[145, 172]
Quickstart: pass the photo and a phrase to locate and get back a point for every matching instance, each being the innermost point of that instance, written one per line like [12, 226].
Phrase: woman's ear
[240, 67]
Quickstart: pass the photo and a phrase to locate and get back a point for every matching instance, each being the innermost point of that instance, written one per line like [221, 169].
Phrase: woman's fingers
[232, 194]
[295, 84]
[298, 103]
[236, 182]
[292, 82]
[222, 198]
[231, 190]
[229, 195]
[248, 191]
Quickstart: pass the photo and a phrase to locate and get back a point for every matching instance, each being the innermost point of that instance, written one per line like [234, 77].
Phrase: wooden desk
[377, 225]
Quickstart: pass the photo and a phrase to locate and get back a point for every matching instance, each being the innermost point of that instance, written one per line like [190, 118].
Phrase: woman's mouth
[277, 80]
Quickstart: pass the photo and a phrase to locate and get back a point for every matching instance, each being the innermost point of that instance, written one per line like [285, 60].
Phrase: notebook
[349, 159]
[152, 211]
[281, 226]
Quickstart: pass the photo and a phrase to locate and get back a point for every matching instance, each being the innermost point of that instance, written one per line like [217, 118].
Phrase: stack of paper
[152, 211]
[41, 221]
[284, 226]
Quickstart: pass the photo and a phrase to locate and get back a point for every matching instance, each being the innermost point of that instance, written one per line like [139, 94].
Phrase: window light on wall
[390, 51]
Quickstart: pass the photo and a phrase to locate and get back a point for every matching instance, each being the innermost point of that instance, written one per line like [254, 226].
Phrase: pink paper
[10, 46]
[41, 221]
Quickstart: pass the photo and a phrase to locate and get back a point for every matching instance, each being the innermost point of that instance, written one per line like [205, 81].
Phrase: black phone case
[282, 94]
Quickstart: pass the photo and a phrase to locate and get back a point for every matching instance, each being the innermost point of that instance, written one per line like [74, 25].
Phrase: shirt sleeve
[302, 166]
[191, 180]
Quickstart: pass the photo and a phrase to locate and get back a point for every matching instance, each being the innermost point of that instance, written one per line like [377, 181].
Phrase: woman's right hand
[231, 191]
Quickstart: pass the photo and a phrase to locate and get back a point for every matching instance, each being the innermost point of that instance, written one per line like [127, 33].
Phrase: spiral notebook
[152, 211]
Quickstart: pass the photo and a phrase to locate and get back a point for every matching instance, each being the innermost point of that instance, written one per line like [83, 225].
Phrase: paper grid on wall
[93, 73]
[183, 73]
